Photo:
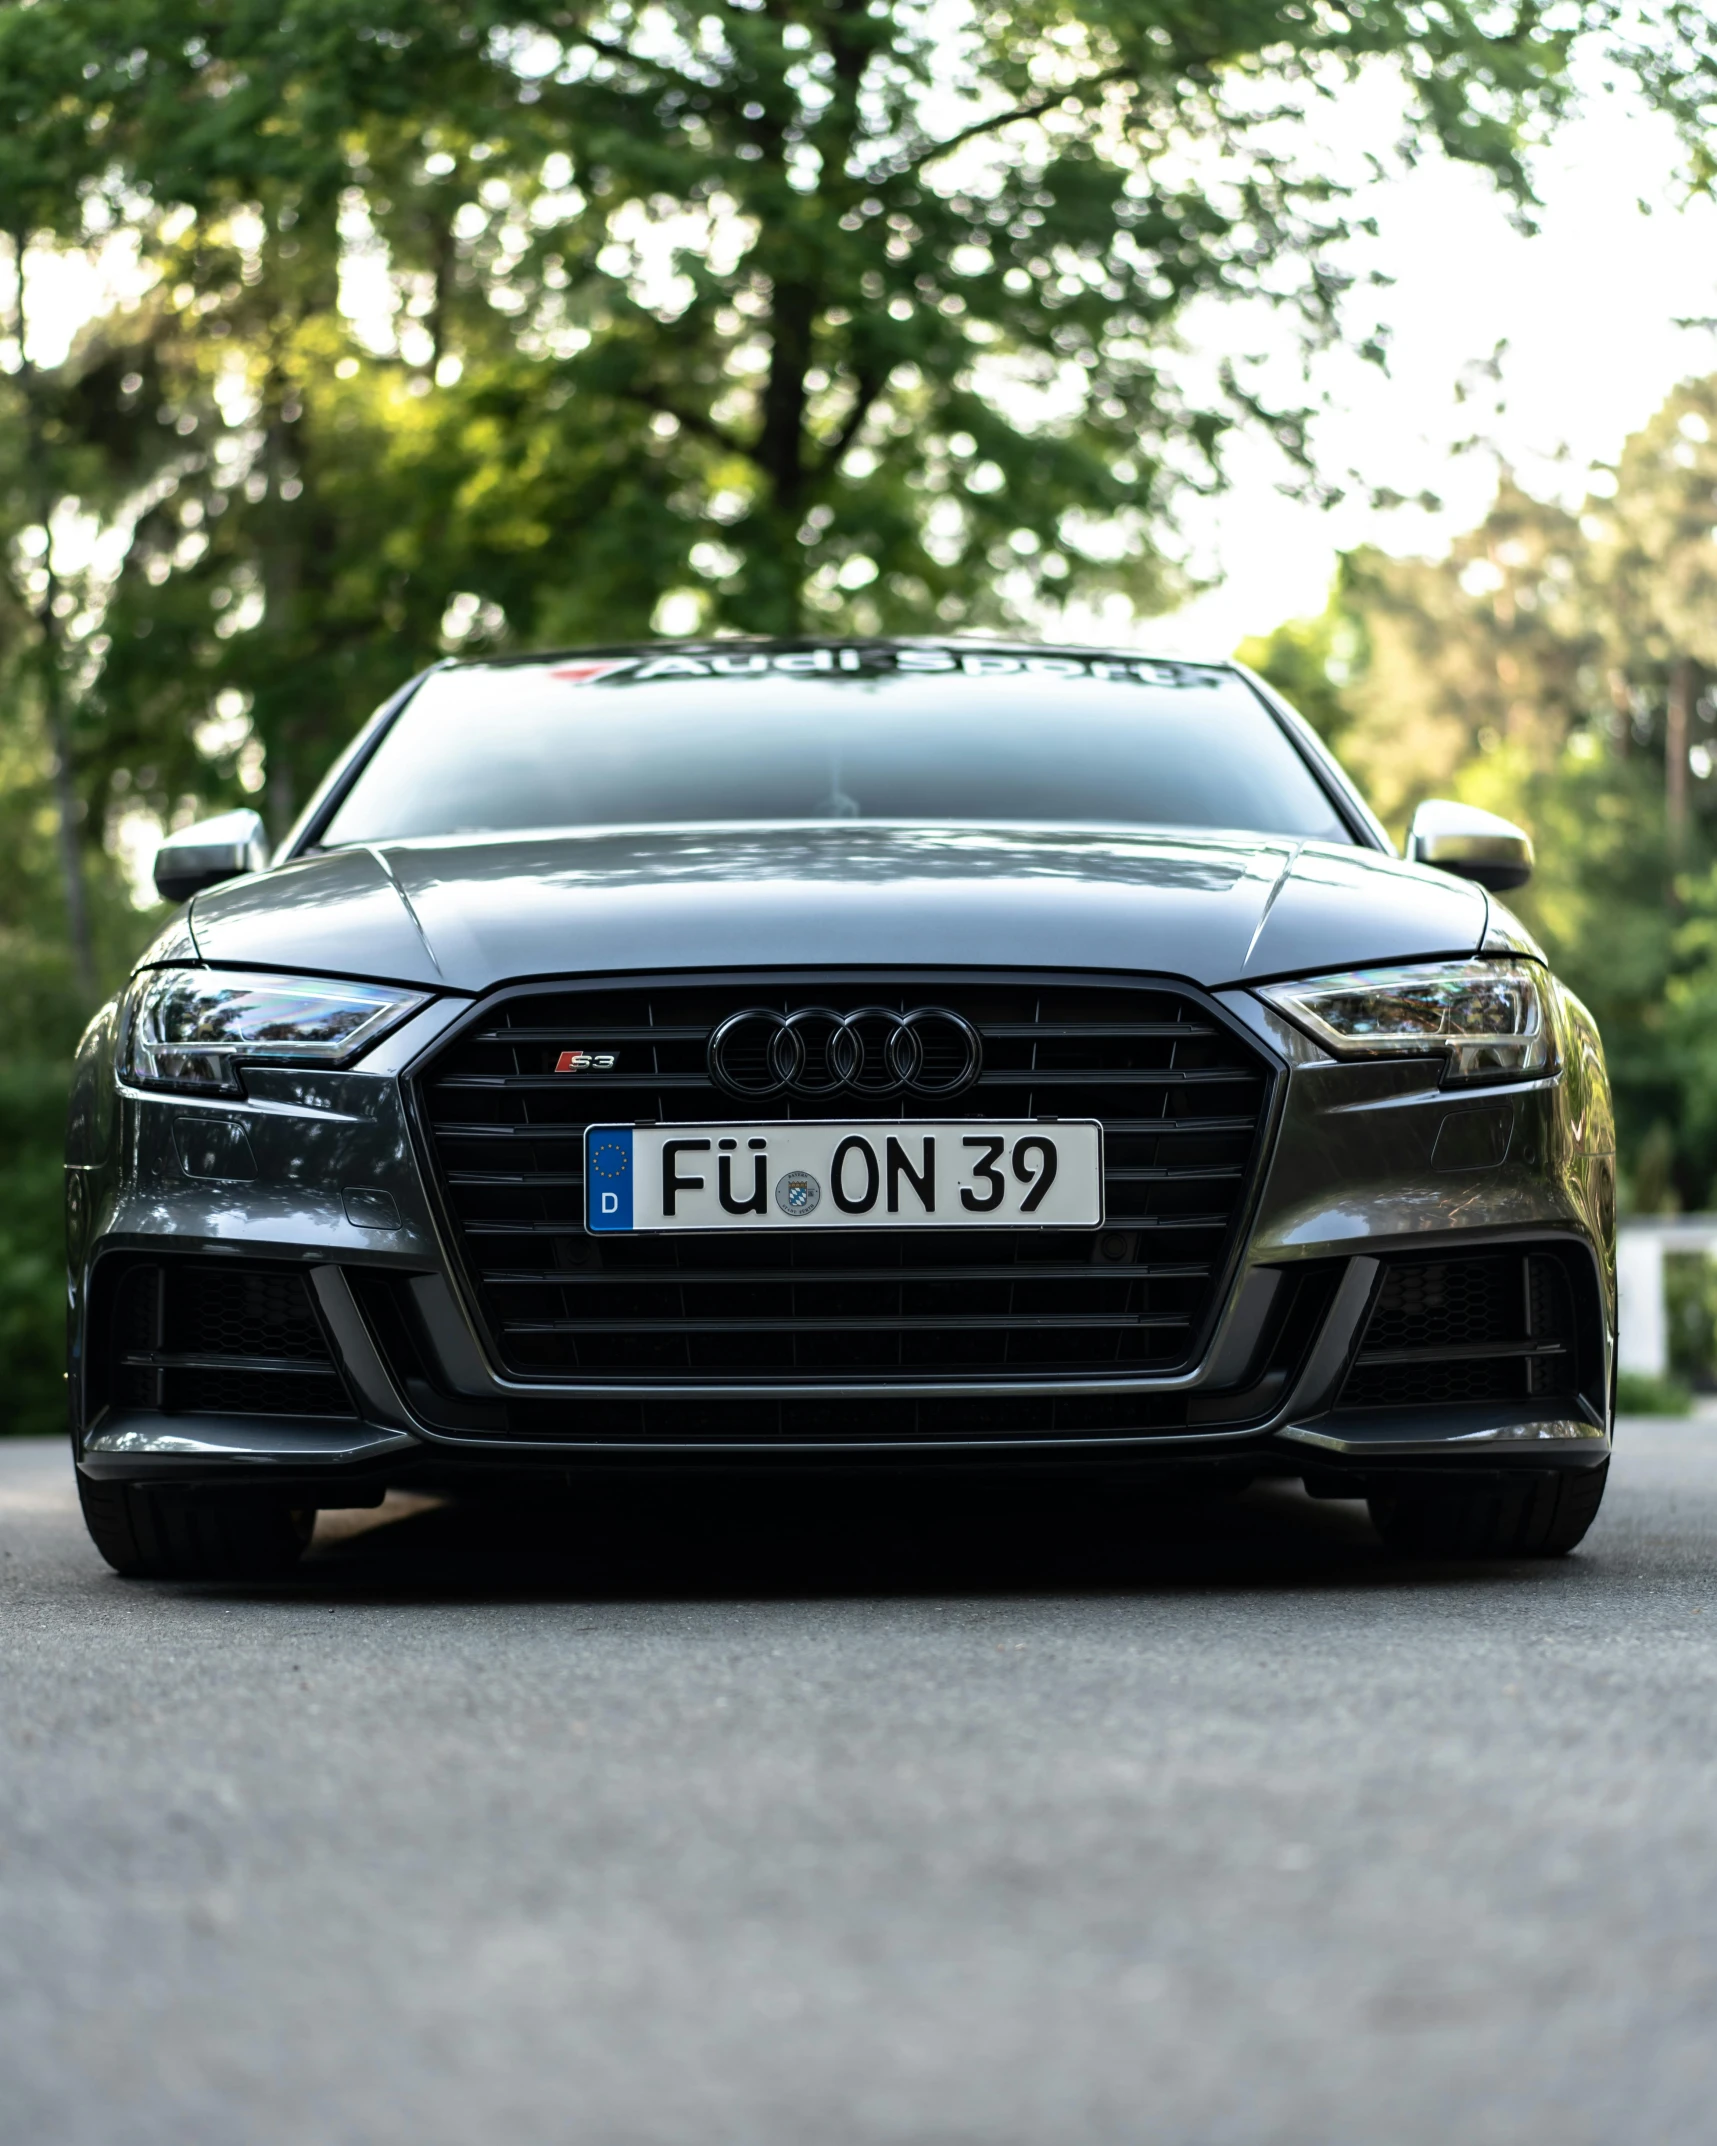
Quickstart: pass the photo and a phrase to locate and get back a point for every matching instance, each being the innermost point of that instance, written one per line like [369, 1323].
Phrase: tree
[789, 312]
[1555, 666]
[1657, 566]
[42, 166]
[894, 291]
[1490, 646]
[460, 323]
[786, 312]
[1316, 661]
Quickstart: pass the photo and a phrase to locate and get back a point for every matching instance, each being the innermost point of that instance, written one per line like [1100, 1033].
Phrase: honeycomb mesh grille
[1182, 1099]
[1497, 1327]
[205, 1337]
[212, 1310]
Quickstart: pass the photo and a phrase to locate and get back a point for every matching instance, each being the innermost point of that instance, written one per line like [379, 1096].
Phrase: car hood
[468, 913]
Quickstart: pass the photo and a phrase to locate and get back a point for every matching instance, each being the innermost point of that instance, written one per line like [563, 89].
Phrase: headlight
[192, 1028]
[1486, 1017]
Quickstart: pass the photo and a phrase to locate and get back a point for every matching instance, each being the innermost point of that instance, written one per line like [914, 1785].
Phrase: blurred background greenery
[404, 331]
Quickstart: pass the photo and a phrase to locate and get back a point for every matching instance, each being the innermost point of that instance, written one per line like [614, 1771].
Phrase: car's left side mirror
[1471, 843]
[202, 856]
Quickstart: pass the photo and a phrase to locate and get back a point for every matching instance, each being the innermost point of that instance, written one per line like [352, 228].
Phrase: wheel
[1545, 1517]
[150, 1533]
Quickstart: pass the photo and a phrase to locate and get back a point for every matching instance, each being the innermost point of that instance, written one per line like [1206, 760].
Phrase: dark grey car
[874, 1055]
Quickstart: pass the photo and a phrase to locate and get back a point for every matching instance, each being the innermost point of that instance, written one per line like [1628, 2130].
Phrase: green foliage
[32, 1259]
[1638, 1393]
[852, 315]
[821, 254]
[1311, 662]
[855, 314]
[1560, 668]
[44, 1014]
[1598, 903]
[1690, 1307]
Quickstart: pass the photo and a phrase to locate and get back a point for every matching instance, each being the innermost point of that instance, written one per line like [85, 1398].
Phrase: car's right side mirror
[1470, 842]
[202, 856]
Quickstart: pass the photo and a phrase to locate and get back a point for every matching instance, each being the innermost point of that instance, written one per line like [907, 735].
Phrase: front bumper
[320, 1172]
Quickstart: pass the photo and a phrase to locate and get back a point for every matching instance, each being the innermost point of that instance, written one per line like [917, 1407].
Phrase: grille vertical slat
[1181, 1096]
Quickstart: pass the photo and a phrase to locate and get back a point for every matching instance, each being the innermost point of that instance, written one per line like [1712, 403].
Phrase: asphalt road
[704, 1821]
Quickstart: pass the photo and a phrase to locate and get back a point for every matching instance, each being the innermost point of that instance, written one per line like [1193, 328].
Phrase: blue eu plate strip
[608, 1177]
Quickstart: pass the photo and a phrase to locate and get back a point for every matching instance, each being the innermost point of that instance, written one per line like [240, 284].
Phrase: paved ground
[699, 1824]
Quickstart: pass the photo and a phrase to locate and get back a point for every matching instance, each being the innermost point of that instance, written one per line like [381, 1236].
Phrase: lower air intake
[1498, 1327]
[213, 1337]
[948, 1417]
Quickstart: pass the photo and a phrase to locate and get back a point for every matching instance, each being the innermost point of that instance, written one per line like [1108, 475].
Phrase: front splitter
[1450, 1433]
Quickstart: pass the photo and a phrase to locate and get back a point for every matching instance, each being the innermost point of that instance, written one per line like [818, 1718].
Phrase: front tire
[1546, 1516]
[147, 1532]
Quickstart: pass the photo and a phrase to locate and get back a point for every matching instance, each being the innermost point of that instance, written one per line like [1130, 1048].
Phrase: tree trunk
[1622, 701]
[776, 570]
[51, 652]
[1677, 731]
[443, 261]
[66, 814]
[282, 575]
[280, 798]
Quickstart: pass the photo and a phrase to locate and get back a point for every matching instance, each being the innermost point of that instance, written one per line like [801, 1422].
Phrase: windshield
[926, 736]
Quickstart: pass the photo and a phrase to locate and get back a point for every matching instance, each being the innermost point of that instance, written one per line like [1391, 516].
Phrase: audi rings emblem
[872, 1051]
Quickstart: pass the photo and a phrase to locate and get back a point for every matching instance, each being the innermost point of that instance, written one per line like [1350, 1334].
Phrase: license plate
[955, 1175]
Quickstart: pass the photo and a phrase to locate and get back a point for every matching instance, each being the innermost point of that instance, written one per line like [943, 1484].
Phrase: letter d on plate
[608, 1177]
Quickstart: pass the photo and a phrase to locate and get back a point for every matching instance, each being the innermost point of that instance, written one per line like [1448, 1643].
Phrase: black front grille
[1498, 1327]
[1181, 1096]
[209, 1337]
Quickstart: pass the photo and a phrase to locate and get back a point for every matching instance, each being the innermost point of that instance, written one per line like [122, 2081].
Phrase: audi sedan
[816, 1054]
